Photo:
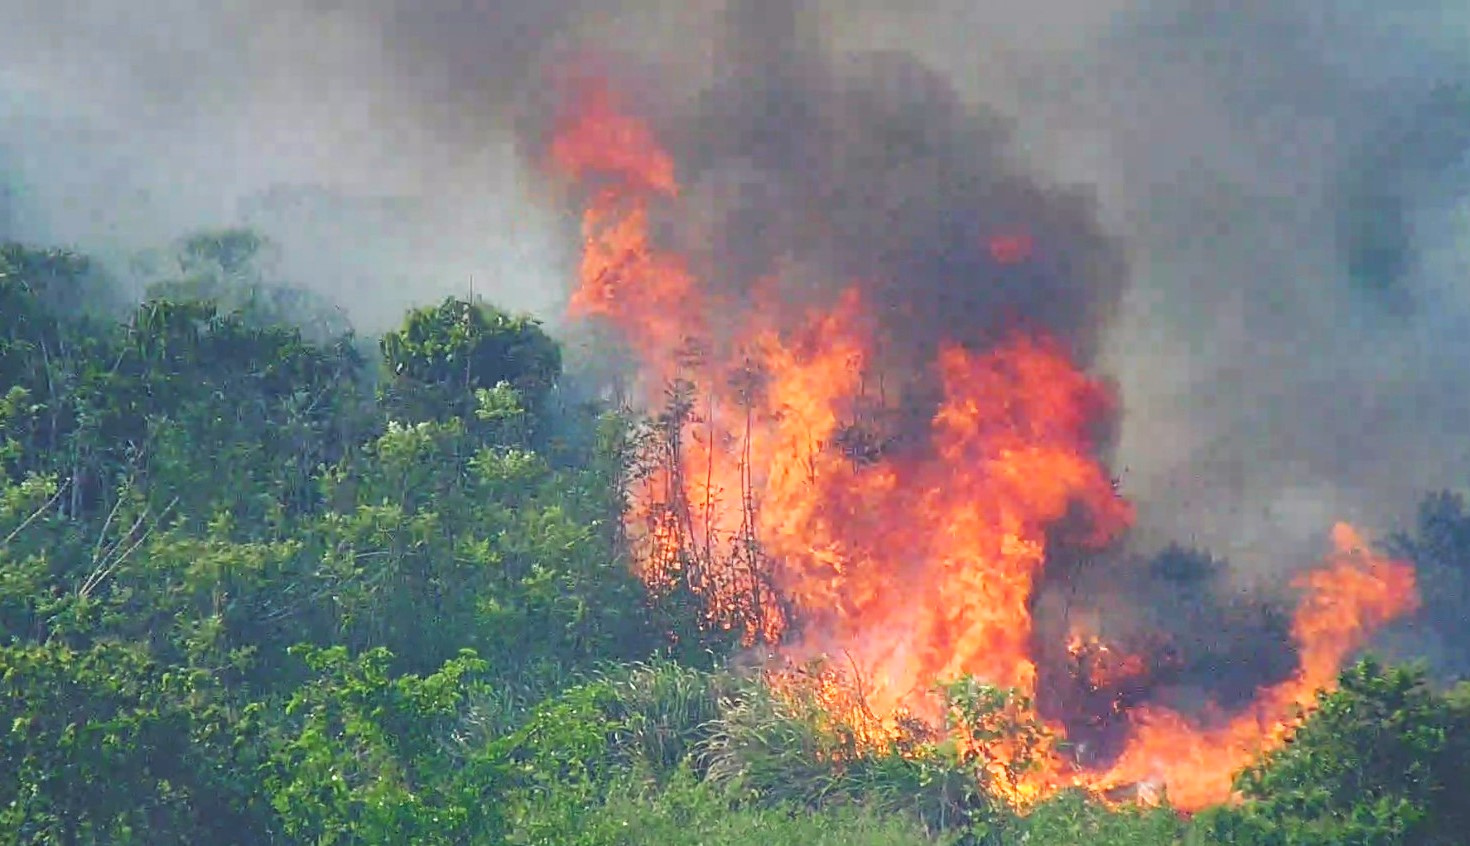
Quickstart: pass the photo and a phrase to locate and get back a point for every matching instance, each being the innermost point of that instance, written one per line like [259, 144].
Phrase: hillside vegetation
[263, 581]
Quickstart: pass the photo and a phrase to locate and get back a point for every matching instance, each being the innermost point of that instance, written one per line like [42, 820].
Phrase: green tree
[442, 356]
[365, 761]
[107, 745]
[234, 269]
[437, 540]
[1383, 760]
[1439, 547]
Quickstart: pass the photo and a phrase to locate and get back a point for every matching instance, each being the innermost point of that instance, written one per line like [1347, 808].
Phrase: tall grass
[663, 712]
[689, 812]
[786, 750]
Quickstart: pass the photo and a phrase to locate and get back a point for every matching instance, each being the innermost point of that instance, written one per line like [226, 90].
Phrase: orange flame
[772, 502]
[646, 293]
[1351, 596]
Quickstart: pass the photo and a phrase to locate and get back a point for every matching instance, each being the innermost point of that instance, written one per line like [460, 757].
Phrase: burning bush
[835, 475]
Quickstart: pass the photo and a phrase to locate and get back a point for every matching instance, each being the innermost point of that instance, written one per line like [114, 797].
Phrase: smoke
[816, 172]
[324, 126]
[1283, 184]
[1288, 182]
[1294, 185]
[1267, 249]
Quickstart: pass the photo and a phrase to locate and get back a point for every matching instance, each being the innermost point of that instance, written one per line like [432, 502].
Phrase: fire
[1354, 593]
[600, 141]
[779, 500]
[1103, 669]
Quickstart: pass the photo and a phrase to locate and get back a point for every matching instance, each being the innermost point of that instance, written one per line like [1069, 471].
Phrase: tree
[1384, 760]
[233, 269]
[363, 760]
[442, 356]
[1439, 546]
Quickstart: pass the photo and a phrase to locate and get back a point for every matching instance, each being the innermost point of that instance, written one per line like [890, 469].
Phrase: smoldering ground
[1267, 247]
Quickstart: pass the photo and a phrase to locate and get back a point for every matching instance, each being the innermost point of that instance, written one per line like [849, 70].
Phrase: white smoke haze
[1288, 181]
[124, 126]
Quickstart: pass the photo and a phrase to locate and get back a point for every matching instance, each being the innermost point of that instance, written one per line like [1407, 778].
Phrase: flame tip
[814, 514]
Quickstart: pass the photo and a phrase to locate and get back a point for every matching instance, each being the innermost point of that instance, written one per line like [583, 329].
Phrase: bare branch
[35, 514]
[104, 569]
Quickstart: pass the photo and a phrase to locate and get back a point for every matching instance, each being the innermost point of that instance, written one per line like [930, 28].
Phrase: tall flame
[917, 564]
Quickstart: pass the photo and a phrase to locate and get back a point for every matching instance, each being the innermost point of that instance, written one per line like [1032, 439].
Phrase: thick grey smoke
[1294, 181]
[1286, 180]
[832, 171]
[1291, 182]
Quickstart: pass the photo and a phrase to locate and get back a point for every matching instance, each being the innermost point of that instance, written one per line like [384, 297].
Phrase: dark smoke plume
[1274, 268]
[870, 170]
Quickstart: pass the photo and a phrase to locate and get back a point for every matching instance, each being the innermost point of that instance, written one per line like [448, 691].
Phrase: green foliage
[1384, 760]
[106, 745]
[980, 717]
[1439, 547]
[443, 356]
[244, 598]
[363, 758]
[437, 542]
[664, 711]
[687, 812]
[230, 269]
[787, 749]
[1074, 819]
